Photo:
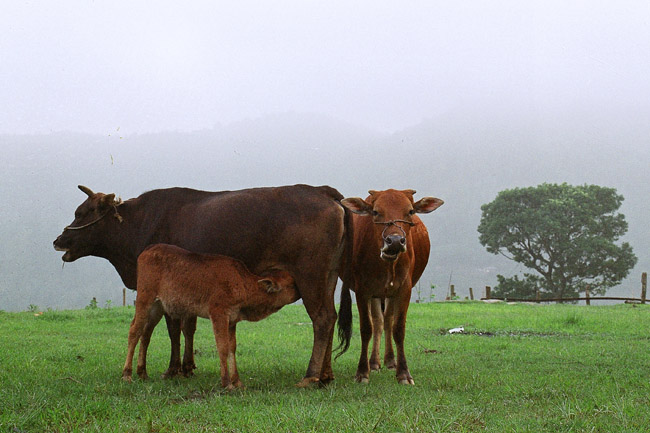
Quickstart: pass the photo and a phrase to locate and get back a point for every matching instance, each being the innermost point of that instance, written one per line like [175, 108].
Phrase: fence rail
[584, 298]
[587, 298]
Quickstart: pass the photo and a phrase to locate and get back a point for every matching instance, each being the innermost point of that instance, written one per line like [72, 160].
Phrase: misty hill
[464, 158]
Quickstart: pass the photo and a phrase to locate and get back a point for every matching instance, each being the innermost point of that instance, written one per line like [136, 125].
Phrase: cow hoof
[375, 367]
[408, 381]
[326, 380]
[391, 365]
[188, 369]
[362, 379]
[127, 379]
[307, 382]
[171, 372]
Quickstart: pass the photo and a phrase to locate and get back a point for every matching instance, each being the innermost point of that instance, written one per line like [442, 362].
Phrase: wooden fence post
[587, 294]
[644, 286]
[488, 291]
[471, 294]
[124, 296]
[452, 293]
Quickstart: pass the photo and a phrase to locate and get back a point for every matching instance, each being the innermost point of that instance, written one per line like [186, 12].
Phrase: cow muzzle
[393, 246]
[67, 256]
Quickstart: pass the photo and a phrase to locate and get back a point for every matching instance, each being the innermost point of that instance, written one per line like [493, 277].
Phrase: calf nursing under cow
[296, 228]
[377, 246]
[182, 284]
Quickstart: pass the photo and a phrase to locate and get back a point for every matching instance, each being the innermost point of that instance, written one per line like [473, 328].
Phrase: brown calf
[390, 251]
[182, 284]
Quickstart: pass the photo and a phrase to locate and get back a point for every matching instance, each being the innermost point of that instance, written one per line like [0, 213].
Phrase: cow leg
[389, 315]
[365, 327]
[232, 358]
[174, 331]
[220, 328]
[153, 317]
[322, 312]
[399, 332]
[188, 326]
[377, 328]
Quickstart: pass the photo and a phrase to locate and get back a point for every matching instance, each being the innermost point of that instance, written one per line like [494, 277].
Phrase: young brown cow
[390, 251]
[183, 284]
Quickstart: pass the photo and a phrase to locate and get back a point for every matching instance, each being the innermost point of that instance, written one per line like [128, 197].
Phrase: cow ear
[357, 205]
[268, 285]
[108, 200]
[427, 204]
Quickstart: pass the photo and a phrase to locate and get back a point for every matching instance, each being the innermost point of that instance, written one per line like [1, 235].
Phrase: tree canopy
[567, 234]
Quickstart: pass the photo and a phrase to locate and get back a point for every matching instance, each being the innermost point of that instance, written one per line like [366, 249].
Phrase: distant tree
[566, 233]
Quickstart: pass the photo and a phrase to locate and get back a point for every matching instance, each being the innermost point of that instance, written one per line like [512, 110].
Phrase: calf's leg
[153, 317]
[222, 339]
[142, 306]
[232, 359]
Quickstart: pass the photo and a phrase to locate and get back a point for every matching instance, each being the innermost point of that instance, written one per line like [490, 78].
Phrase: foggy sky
[458, 100]
[77, 65]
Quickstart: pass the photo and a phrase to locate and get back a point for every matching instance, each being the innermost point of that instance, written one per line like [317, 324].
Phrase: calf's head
[84, 235]
[280, 285]
[392, 213]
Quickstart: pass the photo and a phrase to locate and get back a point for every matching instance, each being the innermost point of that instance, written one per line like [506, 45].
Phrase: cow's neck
[121, 245]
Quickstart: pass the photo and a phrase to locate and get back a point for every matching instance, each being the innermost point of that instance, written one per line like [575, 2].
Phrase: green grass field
[519, 368]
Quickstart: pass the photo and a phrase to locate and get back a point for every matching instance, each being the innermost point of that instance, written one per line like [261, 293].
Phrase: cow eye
[375, 213]
[412, 212]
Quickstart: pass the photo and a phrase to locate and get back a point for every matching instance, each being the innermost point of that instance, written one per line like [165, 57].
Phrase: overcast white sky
[95, 66]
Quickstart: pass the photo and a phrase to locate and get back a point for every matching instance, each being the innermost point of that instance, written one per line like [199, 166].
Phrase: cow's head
[83, 236]
[392, 213]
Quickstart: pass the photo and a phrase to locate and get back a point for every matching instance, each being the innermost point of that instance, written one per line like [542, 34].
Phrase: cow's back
[281, 227]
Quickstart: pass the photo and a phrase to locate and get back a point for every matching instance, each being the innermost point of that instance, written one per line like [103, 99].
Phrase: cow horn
[89, 192]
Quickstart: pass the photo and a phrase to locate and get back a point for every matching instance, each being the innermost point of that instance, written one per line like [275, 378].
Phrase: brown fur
[375, 278]
[298, 228]
[174, 281]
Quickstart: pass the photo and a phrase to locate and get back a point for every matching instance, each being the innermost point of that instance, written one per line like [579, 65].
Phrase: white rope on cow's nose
[394, 223]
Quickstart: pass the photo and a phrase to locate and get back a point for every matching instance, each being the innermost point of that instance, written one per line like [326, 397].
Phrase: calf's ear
[268, 285]
[357, 205]
[427, 204]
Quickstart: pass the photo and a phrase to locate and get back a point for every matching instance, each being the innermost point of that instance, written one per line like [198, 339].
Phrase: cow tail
[345, 321]
[345, 308]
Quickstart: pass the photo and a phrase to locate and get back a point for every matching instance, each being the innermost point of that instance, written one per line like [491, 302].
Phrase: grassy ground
[519, 368]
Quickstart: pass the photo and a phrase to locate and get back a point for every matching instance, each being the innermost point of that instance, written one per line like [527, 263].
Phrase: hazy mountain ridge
[463, 158]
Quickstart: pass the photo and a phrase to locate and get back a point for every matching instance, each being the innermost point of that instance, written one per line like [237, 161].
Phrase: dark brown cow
[390, 252]
[179, 283]
[299, 229]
